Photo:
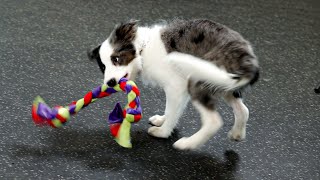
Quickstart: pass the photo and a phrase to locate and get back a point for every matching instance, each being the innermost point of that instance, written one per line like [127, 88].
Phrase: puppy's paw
[158, 132]
[237, 135]
[157, 120]
[185, 144]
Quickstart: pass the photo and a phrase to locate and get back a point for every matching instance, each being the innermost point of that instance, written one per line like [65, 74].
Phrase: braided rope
[120, 128]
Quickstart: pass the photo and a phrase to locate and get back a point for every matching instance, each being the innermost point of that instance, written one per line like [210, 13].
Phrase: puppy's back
[212, 42]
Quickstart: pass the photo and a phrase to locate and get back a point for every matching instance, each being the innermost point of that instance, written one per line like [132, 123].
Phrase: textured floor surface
[43, 52]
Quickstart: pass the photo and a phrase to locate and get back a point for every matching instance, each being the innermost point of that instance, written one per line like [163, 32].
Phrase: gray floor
[43, 52]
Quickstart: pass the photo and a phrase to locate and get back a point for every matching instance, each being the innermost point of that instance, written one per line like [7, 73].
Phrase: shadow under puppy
[198, 59]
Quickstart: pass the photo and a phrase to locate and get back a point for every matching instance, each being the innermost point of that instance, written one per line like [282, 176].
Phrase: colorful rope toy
[119, 120]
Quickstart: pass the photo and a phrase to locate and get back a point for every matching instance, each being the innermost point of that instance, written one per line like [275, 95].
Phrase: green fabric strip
[123, 136]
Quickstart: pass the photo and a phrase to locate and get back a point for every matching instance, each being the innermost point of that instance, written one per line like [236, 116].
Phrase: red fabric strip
[124, 113]
[114, 128]
[137, 117]
[103, 94]
[62, 119]
[136, 90]
[88, 98]
[132, 104]
[123, 85]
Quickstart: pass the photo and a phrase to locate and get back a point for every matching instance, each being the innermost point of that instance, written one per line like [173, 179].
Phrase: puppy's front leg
[176, 101]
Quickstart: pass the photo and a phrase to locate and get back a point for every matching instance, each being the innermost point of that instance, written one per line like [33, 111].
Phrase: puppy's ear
[136, 21]
[93, 54]
[125, 32]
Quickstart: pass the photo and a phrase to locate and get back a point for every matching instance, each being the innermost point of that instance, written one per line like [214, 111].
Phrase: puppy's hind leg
[211, 123]
[241, 116]
[204, 101]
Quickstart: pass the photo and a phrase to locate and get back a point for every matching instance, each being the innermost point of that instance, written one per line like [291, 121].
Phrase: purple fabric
[123, 80]
[139, 109]
[128, 88]
[111, 90]
[134, 111]
[44, 111]
[54, 112]
[137, 100]
[96, 91]
[72, 109]
[116, 115]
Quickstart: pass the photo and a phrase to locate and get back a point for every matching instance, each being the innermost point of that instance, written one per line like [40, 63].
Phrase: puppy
[199, 60]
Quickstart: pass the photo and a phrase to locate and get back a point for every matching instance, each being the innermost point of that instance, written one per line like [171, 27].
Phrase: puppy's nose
[112, 82]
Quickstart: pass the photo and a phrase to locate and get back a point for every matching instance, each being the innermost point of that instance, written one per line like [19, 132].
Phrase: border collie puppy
[199, 60]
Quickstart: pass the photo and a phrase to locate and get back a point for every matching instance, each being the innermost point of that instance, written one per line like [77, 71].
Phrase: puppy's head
[117, 57]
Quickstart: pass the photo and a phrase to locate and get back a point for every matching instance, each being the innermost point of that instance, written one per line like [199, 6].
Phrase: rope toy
[119, 120]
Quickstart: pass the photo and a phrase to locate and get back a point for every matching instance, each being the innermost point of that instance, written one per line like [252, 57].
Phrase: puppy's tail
[201, 70]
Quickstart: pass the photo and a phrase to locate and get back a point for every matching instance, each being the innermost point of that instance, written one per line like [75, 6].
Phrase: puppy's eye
[115, 60]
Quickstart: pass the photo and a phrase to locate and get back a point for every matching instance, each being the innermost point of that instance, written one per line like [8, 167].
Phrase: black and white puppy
[198, 60]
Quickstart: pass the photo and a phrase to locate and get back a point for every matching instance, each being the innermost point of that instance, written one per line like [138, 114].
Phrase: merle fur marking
[181, 32]
[199, 38]
[173, 44]
[255, 77]
[199, 92]
[215, 43]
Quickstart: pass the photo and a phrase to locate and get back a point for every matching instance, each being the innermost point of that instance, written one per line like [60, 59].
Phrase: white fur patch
[203, 70]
